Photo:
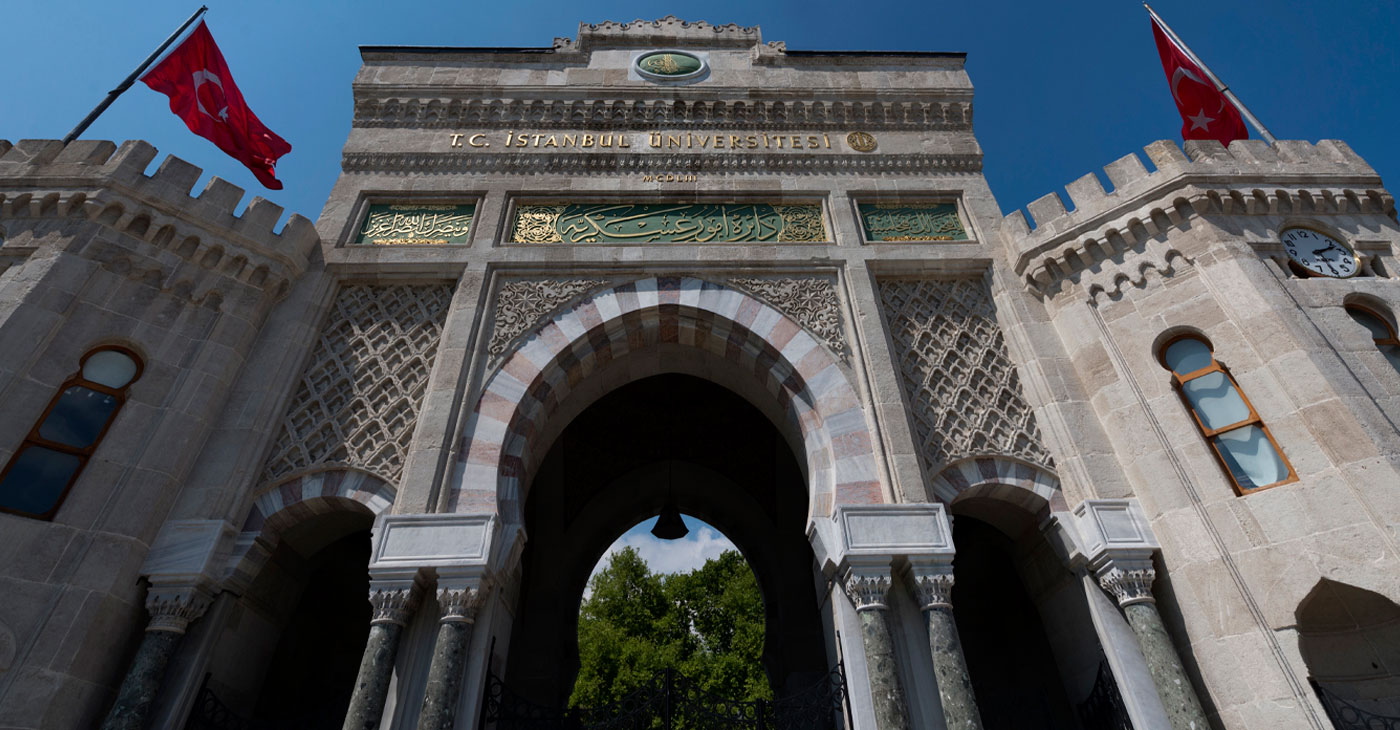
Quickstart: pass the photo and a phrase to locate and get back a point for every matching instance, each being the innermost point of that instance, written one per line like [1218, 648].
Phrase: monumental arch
[1130, 460]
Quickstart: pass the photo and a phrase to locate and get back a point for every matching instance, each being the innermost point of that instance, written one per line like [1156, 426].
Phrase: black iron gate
[1103, 709]
[1346, 716]
[671, 701]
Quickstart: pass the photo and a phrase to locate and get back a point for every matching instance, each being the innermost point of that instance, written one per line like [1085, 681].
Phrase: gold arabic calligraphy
[416, 224]
[938, 222]
[668, 223]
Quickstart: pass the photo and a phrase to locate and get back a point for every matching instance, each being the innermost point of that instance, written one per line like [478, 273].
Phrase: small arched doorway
[666, 437]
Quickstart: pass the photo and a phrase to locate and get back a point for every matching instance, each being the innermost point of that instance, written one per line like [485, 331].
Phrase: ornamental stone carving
[964, 394]
[173, 608]
[933, 589]
[392, 605]
[1129, 584]
[524, 303]
[459, 604]
[867, 588]
[809, 301]
[359, 396]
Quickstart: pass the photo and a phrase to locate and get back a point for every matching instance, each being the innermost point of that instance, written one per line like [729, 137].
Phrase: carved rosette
[172, 609]
[867, 589]
[524, 303]
[460, 603]
[1130, 585]
[934, 590]
[538, 224]
[801, 224]
[810, 301]
[392, 605]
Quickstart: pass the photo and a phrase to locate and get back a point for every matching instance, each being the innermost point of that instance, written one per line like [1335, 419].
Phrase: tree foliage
[707, 624]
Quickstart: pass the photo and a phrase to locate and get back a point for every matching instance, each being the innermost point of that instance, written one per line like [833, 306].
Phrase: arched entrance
[718, 458]
[1350, 641]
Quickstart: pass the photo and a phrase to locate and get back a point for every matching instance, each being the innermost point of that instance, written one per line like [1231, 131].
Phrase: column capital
[460, 598]
[933, 586]
[1130, 581]
[393, 604]
[173, 607]
[867, 586]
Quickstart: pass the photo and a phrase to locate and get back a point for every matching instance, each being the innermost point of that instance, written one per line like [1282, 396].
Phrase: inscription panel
[393, 224]
[921, 222]
[631, 223]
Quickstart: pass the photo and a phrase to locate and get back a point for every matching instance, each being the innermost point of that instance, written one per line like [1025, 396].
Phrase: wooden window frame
[1179, 381]
[1392, 340]
[84, 454]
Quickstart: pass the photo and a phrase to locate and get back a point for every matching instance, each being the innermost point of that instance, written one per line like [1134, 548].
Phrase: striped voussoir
[321, 492]
[546, 365]
[1007, 480]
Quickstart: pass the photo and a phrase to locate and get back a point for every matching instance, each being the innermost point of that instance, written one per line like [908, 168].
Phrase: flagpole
[126, 84]
[1229, 95]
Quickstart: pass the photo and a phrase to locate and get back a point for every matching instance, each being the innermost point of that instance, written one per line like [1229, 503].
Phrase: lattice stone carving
[360, 395]
[809, 301]
[963, 390]
[524, 303]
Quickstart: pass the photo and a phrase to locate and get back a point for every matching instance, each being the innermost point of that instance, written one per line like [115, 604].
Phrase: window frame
[1366, 309]
[1179, 381]
[32, 438]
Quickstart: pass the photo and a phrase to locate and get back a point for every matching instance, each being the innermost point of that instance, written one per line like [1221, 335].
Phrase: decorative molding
[427, 108]
[867, 588]
[964, 393]
[1128, 584]
[361, 391]
[522, 304]
[172, 608]
[552, 163]
[810, 301]
[459, 604]
[393, 605]
[933, 588]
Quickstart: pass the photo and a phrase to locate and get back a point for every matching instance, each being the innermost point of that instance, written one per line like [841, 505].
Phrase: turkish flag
[202, 93]
[1205, 112]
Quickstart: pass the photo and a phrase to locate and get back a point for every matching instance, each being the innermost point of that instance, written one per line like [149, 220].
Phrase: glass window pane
[1187, 356]
[37, 479]
[1215, 399]
[110, 368]
[78, 417]
[1252, 458]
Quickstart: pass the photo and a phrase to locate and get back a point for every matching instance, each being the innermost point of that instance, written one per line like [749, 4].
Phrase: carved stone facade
[964, 392]
[809, 301]
[360, 393]
[524, 303]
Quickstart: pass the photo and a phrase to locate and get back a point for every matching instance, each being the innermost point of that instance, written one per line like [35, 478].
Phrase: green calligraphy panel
[669, 223]
[389, 224]
[925, 222]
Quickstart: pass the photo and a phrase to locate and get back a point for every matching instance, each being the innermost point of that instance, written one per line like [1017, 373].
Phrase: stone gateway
[1134, 463]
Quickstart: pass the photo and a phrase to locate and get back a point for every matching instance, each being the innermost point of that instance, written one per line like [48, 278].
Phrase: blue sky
[1062, 88]
[702, 543]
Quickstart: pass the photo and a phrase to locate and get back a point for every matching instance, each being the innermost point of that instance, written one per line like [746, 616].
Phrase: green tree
[707, 624]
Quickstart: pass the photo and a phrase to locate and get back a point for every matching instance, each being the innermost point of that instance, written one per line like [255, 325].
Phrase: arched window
[1382, 331]
[45, 466]
[1241, 441]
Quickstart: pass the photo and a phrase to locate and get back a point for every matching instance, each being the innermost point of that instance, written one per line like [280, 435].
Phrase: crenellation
[176, 174]
[1046, 209]
[86, 152]
[221, 195]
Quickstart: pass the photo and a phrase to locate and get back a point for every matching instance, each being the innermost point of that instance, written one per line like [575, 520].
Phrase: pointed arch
[1003, 479]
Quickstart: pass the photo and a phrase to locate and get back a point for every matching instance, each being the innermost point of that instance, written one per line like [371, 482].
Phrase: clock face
[1319, 253]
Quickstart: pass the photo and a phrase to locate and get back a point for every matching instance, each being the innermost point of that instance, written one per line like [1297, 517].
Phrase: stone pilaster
[867, 586]
[933, 586]
[394, 604]
[458, 601]
[172, 608]
[1130, 582]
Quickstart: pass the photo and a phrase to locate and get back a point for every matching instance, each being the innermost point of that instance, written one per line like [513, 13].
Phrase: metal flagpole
[124, 85]
[1229, 95]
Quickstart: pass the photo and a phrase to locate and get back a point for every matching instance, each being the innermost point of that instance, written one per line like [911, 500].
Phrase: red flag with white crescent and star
[202, 93]
[1205, 112]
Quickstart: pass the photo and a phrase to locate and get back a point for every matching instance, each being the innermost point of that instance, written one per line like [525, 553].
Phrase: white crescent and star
[1200, 120]
[204, 75]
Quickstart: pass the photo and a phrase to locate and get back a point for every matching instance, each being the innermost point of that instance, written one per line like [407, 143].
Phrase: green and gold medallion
[670, 64]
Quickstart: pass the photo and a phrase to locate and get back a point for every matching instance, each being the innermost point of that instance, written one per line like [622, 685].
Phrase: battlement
[669, 30]
[1256, 178]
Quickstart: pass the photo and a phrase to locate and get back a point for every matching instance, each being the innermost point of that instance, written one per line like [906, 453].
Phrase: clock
[1319, 253]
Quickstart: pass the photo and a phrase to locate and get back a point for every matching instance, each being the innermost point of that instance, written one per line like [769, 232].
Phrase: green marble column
[392, 609]
[445, 674]
[867, 591]
[1132, 586]
[935, 593]
[171, 611]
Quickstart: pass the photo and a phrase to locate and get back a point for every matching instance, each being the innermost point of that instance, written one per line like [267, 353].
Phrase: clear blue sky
[1062, 88]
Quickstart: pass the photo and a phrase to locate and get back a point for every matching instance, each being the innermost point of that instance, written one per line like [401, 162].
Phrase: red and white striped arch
[501, 442]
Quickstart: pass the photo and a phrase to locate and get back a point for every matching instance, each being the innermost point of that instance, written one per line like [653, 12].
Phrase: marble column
[172, 609]
[867, 588]
[459, 603]
[1131, 583]
[393, 607]
[934, 588]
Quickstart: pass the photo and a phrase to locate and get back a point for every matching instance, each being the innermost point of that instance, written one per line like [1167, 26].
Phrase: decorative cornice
[867, 588]
[667, 30]
[524, 303]
[612, 164]
[1128, 584]
[172, 608]
[934, 588]
[427, 107]
[393, 605]
[459, 604]
[810, 301]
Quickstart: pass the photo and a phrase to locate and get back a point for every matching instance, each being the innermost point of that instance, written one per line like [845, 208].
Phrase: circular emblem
[669, 65]
[861, 141]
[1319, 253]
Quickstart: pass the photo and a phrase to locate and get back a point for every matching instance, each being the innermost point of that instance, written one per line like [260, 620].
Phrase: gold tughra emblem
[666, 64]
[861, 141]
